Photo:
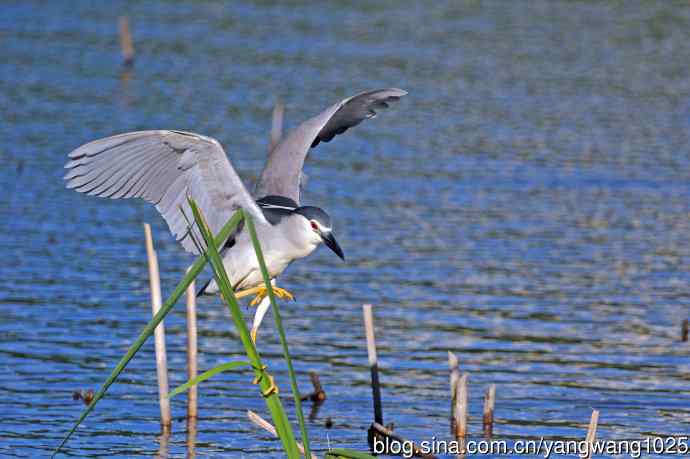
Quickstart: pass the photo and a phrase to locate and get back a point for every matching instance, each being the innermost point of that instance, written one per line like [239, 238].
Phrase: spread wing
[283, 170]
[162, 167]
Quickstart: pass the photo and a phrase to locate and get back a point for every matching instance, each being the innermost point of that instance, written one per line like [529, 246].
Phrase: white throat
[299, 236]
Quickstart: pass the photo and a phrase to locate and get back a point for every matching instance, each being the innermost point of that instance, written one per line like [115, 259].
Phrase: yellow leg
[247, 292]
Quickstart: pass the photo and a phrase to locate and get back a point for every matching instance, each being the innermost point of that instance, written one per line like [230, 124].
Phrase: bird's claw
[277, 291]
[257, 299]
[284, 294]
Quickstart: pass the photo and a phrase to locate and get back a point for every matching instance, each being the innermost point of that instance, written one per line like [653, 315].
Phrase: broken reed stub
[461, 406]
[276, 125]
[489, 404]
[373, 362]
[453, 366]
[192, 351]
[392, 441]
[591, 432]
[318, 395]
[684, 329]
[159, 332]
[126, 43]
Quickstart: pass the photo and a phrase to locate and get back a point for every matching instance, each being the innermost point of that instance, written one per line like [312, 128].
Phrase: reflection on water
[526, 206]
[191, 438]
[163, 440]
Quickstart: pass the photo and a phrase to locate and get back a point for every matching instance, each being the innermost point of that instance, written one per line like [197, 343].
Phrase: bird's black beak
[332, 244]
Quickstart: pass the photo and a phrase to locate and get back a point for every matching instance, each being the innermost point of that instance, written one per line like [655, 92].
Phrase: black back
[275, 208]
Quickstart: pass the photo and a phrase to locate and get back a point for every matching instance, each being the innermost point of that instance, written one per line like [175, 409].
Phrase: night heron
[165, 166]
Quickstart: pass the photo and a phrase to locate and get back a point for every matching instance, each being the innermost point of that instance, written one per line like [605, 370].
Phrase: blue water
[526, 206]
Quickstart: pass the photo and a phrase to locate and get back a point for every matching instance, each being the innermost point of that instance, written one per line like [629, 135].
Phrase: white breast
[281, 244]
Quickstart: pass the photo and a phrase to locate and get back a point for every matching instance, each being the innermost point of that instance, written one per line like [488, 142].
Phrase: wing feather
[89, 175]
[144, 162]
[112, 175]
[162, 167]
[124, 178]
[282, 173]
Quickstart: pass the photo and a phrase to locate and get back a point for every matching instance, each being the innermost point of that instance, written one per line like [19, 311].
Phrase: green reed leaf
[151, 326]
[208, 374]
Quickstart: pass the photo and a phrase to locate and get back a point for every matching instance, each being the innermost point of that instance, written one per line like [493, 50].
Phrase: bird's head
[318, 228]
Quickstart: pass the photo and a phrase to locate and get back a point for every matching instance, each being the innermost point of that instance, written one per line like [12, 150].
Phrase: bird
[165, 167]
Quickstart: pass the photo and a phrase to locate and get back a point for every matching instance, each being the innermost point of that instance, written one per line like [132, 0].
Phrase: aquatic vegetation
[267, 386]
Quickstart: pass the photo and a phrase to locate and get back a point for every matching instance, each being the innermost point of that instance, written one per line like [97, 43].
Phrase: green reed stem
[265, 380]
[279, 324]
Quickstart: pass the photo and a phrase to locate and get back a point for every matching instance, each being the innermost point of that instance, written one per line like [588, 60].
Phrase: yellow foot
[279, 292]
[253, 334]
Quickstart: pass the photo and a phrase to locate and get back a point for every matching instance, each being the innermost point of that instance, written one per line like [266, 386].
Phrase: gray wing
[283, 170]
[162, 167]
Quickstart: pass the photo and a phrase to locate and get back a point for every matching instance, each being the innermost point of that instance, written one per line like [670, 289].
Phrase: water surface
[526, 206]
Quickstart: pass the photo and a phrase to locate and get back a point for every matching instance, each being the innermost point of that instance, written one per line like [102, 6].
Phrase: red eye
[314, 226]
